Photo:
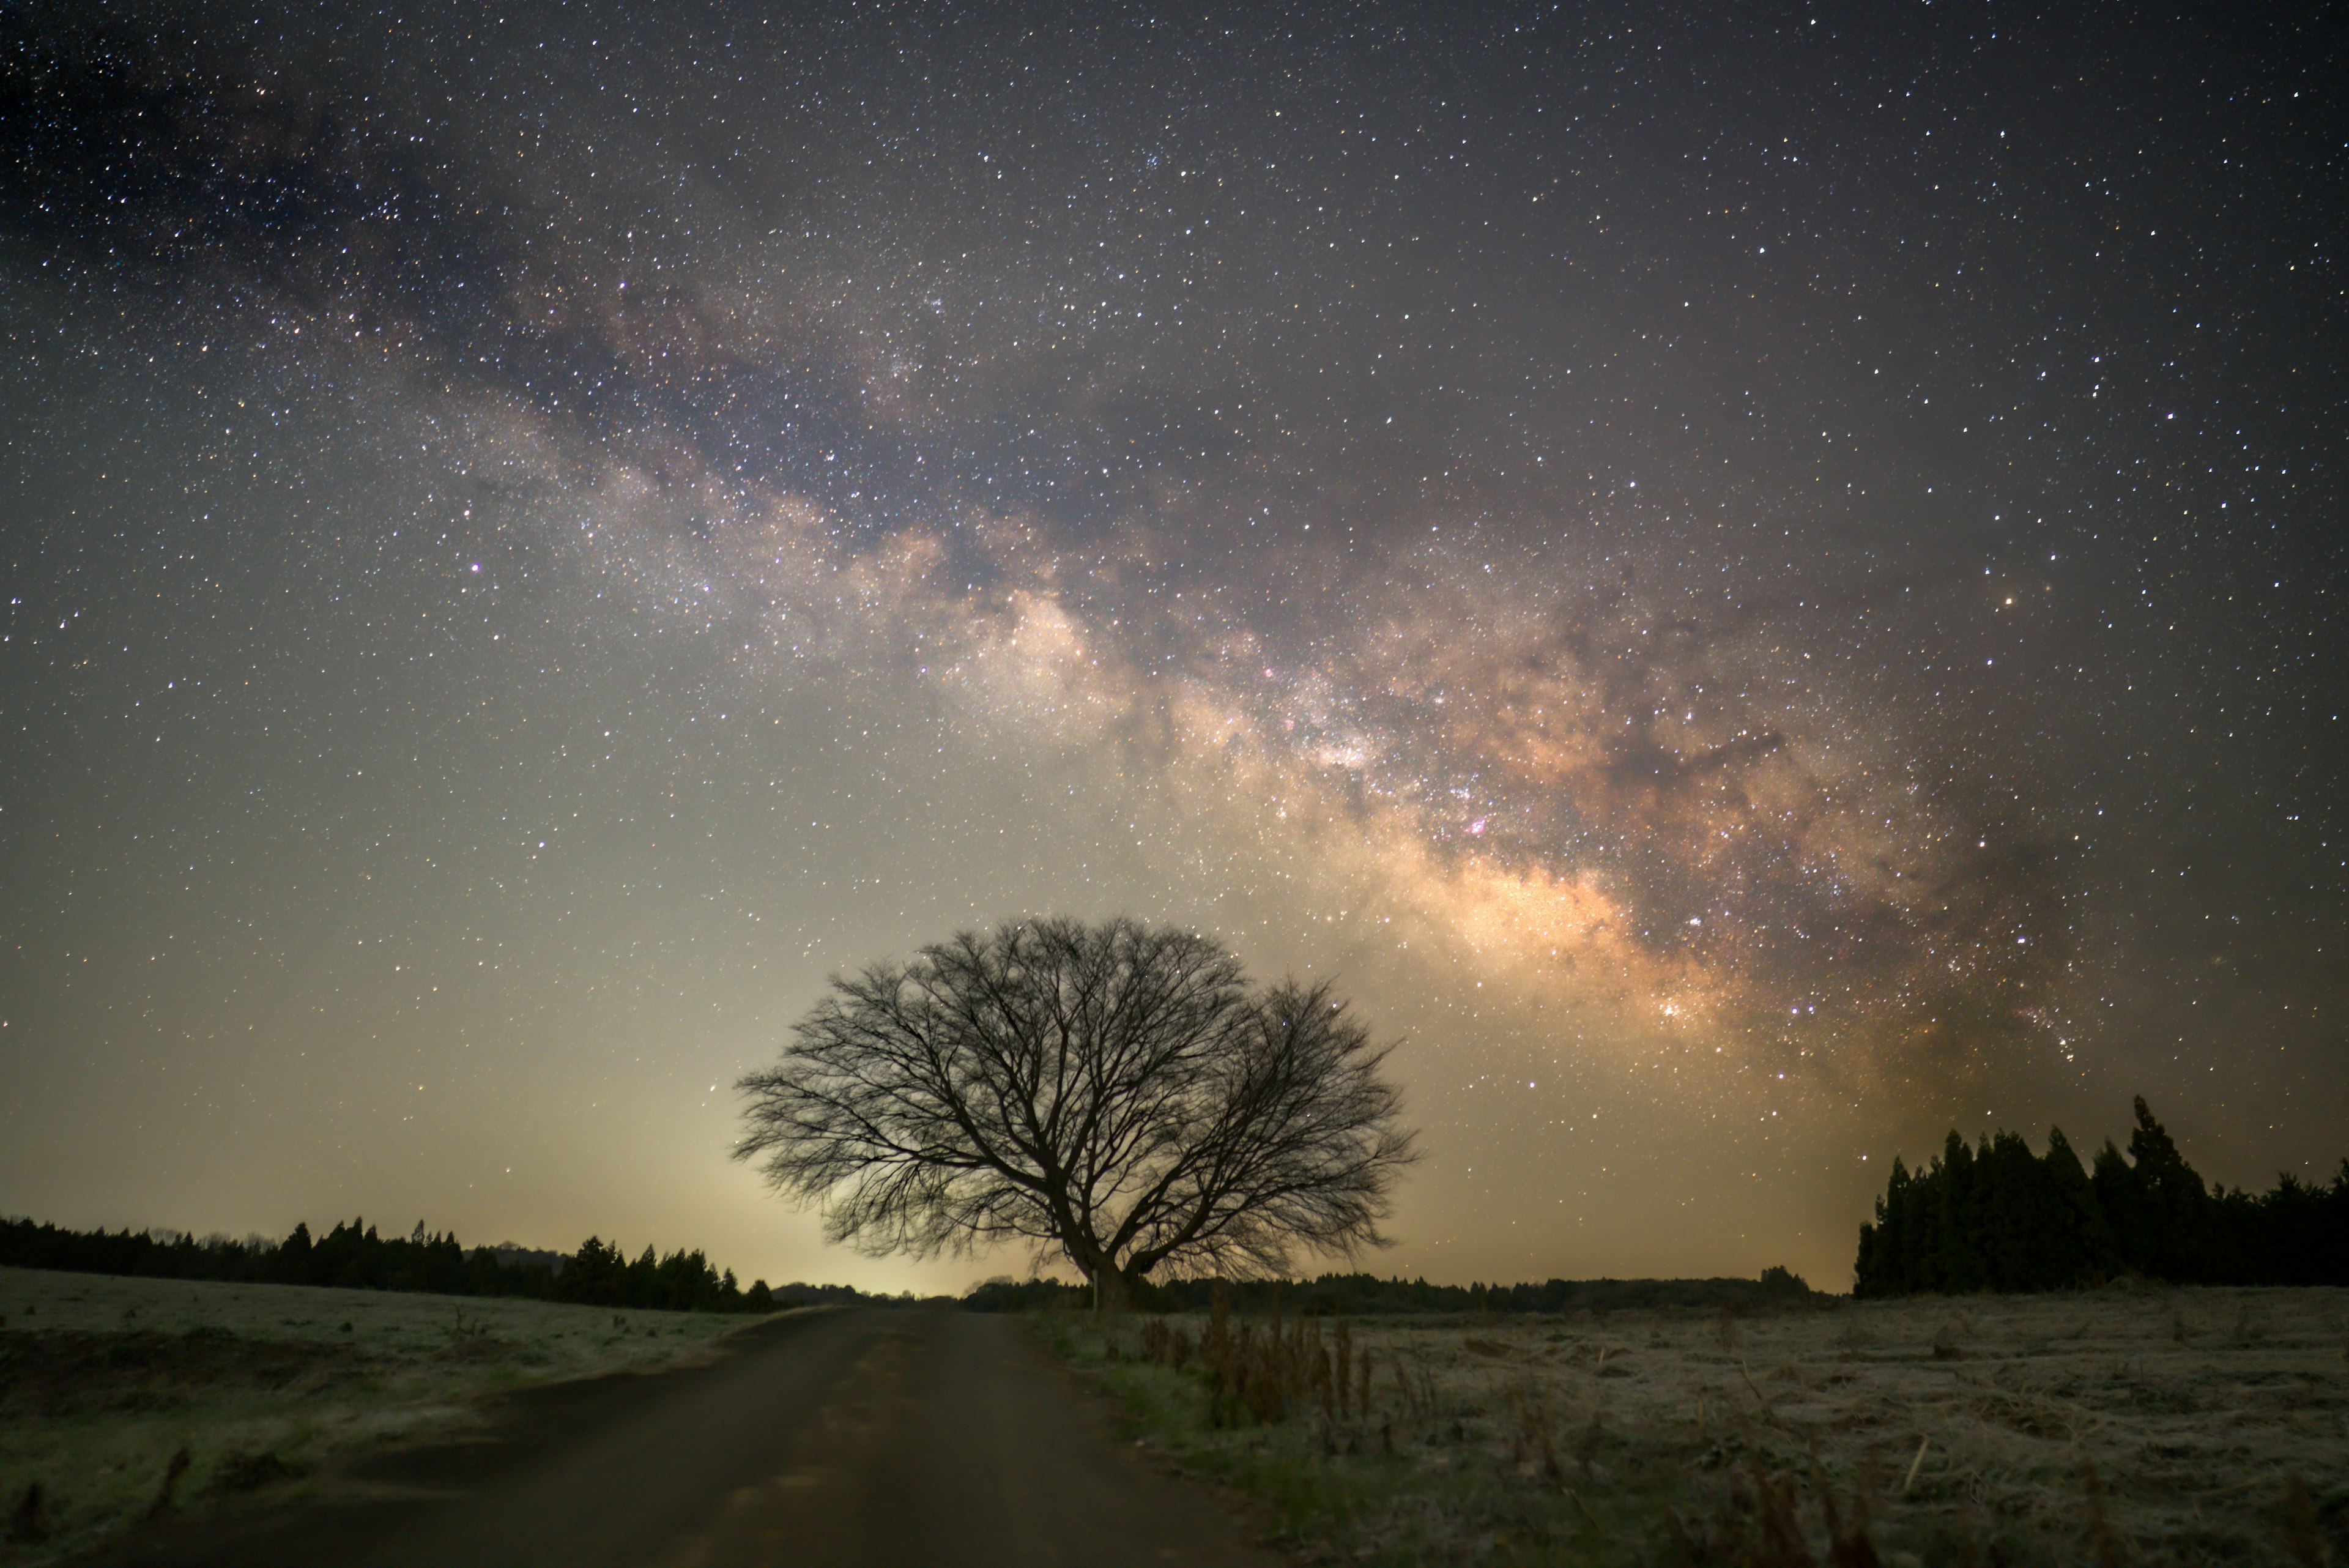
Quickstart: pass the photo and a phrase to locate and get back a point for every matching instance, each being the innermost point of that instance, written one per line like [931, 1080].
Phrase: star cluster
[1756, 586]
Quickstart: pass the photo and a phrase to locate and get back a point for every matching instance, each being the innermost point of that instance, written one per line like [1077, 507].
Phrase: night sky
[1755, 583]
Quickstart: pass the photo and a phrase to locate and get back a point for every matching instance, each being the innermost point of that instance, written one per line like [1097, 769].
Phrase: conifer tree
[2081, 1237]
[1959, 1265]
[1995, 1216]
[2178, 1200]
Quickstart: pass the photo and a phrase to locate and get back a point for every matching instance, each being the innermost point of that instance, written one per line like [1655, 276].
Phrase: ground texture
[2121, 1427]
[105, 1381]
[822, 1438]
[2140, 1427]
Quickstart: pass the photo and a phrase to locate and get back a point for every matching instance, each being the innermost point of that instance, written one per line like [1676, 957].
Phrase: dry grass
[2118, 1427]
[105, 1382]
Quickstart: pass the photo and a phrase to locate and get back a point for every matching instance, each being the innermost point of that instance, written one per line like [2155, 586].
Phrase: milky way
[1755, 588]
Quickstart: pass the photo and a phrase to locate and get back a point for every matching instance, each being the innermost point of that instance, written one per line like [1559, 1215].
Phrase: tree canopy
[1996, 1217]
[1118, 1093]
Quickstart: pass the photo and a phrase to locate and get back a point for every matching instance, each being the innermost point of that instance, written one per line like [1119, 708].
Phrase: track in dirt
[826, 1439]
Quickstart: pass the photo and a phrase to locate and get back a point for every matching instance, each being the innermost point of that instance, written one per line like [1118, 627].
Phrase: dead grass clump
[1166, 1344]
[1268, 1372]
[1531, 1452]
[1762, 1523]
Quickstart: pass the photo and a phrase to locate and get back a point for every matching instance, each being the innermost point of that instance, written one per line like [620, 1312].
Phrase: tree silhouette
[1115, 1092]
[354, 1256]
[1995, 1217]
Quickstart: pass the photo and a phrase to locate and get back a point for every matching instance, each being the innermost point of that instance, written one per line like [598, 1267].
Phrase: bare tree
[1117, 1092]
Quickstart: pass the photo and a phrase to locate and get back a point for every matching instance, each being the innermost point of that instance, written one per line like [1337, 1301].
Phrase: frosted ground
[2147, 1427]
[104, 1379]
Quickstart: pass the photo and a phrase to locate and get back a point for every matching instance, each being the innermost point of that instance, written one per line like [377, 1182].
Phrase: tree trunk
[1114, 1290]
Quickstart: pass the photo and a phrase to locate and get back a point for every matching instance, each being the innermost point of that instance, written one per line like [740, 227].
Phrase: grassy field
[2137, 1426]
[104, 1380]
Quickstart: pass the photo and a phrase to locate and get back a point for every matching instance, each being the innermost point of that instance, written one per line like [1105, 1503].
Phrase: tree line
[1996, 1217]
[1366, 1295]
[353, 1256]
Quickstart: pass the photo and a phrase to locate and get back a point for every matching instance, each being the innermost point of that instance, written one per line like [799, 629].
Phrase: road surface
[861, 1439]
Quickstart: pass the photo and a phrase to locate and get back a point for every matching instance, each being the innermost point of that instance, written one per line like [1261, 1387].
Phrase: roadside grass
[104, 1381]
[2145, 1427]
[1395, 1482]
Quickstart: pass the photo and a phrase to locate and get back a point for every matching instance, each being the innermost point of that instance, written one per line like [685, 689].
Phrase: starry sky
[1755, 583]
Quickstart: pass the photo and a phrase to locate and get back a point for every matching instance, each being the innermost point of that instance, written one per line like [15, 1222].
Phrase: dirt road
[861, 1439]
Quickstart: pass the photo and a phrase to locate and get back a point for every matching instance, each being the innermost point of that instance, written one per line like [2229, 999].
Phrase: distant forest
[1366, 1295]
[353, 1257]
[1996, 1217]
